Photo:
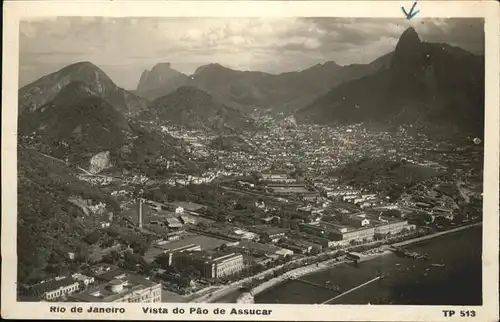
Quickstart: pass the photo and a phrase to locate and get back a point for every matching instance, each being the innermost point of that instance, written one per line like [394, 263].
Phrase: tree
[163, 260]
[112, 232]
[392, 213]
[201, 225]
[140, 247]
[112, 257]
[172, 270]
[192, 272]
[93, 237]
[131, 261]
[314, 251]
[220, 217]
[459, 217]
[239, 206]
[428, 219]
[107, 241]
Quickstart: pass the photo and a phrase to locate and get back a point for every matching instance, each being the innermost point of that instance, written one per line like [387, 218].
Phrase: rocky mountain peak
[328, 64]
[161, 75]
[87, 79]
[165, 66]
[408, 38]
[210, 68]
[408, 52]
[85, 71]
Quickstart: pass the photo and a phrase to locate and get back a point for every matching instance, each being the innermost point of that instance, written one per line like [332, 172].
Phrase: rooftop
[106, 292]
[52, 284]
[188, 205]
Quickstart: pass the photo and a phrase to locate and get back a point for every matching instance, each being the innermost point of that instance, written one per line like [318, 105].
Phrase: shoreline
[441, 233]
[248, 297]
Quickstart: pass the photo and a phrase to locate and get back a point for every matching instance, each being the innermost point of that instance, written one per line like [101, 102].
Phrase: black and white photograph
[252, 161]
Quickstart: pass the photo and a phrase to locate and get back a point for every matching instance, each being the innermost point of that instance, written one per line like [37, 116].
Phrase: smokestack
[140, 213]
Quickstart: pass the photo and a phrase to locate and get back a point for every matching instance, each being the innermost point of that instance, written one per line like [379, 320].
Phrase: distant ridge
[194, 108]
[247, 90]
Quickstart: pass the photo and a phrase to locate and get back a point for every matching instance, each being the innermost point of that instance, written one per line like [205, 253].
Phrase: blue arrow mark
[410, 14]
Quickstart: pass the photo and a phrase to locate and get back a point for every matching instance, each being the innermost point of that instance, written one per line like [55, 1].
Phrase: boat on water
[402, 252]
[437, 265]
[422, 257]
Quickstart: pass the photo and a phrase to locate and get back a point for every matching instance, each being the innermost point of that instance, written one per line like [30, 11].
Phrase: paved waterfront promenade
[416, 240]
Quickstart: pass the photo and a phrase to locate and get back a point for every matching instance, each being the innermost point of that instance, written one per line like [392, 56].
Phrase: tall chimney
[140, 213]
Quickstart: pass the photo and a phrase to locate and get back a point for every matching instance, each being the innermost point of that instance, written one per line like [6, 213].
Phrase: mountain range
[430, 84]
[247, 90]
[419, 83]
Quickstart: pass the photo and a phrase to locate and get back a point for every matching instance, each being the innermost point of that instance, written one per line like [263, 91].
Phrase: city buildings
[363, 230]
[277, 177]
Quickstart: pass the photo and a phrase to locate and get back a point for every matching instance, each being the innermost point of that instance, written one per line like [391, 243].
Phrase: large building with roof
[125, 287]
[54, 289]
[209, 264]
[188, 248]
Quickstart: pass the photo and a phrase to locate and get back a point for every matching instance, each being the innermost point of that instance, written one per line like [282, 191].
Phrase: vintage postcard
[239, 160]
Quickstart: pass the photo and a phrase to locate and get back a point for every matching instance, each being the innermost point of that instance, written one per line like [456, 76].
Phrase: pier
[333, 288]
[352, 289]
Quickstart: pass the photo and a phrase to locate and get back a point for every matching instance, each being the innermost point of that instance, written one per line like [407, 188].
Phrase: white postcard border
[15, 11]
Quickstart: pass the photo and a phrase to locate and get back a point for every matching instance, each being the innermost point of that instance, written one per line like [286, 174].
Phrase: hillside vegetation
[49, 225]
[385, 176]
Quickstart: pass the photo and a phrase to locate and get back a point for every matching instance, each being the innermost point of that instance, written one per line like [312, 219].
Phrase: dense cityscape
[190, 236]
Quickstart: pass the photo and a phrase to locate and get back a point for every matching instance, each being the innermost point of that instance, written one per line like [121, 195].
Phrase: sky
[124, 47]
